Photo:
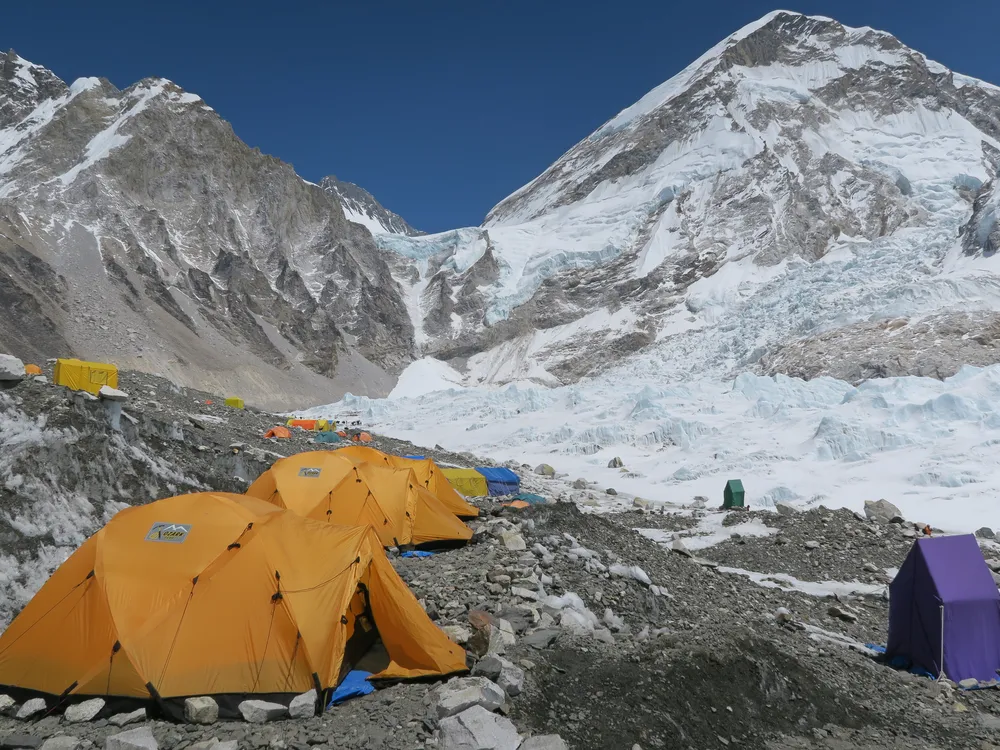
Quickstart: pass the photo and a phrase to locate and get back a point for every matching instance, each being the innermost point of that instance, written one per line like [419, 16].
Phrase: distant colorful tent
[220, 595]
[429, 474]
[33, 370]
[311, 425]
[530, 498]
[278, 432]
[330, 486]
[467, 481]
[328, 438]
[500, 481]
[944, 610]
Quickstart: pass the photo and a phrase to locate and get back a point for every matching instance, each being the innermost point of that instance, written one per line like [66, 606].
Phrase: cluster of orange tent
[266, 595]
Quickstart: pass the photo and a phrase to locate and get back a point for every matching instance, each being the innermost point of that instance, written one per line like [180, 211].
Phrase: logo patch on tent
[309, 471]
[168, 532]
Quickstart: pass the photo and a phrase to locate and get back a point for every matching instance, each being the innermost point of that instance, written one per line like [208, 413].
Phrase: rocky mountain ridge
[709, 228]
[135, 226]
[363, 208]
[696, 224]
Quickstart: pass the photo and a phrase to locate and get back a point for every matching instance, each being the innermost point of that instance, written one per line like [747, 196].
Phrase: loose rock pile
[581, 631]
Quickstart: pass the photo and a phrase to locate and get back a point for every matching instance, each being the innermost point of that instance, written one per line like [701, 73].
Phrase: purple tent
[944, 606]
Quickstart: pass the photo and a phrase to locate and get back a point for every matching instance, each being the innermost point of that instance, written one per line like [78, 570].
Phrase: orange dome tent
[428, 473]
[32, 370]
[221, 595]
[278, 432]
[329, 485]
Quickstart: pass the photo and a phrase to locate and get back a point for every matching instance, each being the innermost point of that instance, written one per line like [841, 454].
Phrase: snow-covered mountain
[135, 226]
[361, 207]
[805, 197]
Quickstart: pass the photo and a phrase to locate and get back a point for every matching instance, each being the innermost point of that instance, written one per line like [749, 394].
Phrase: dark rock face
[360, 205]
[145, 202]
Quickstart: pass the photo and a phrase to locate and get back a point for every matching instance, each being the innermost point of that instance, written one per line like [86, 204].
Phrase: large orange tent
[428, 473]
[221, 595]
[329, 485]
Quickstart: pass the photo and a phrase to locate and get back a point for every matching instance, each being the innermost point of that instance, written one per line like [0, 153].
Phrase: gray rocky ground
[609, 638]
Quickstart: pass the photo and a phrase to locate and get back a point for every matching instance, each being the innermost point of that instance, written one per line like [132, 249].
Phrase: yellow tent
[467, 481]
[329, 485]
[429, 474]
[84, 376]
[235, 402]
[222, 595]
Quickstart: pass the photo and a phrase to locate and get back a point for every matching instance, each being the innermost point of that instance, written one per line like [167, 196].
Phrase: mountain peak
[361, 207]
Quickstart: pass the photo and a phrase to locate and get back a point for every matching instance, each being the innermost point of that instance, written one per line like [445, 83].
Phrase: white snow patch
[786, 582]
[427, 375]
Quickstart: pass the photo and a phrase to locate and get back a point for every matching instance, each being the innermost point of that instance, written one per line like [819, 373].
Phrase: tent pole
[941, 663]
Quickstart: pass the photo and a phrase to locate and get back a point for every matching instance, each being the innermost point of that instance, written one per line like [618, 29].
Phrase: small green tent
[732, 496]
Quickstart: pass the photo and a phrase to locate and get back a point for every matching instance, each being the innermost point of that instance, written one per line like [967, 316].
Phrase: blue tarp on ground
[944, 607]
[416, 553]
[530, 498]
[419, 458]
[500, 481]
[355, 684]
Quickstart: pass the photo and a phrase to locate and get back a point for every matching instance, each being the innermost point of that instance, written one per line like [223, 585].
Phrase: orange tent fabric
[331, 486]
[216, 594]
[278, 432]
[428, 473]
[32, 370]
[364, 437]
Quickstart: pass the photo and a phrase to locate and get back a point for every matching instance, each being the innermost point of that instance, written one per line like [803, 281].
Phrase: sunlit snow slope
[929, 446]
[806, 198]
[790, 158]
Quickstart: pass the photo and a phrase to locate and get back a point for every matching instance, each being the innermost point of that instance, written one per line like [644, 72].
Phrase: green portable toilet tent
[732, 496]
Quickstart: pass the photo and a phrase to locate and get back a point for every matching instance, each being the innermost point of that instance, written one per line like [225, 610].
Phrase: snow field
[930, 447]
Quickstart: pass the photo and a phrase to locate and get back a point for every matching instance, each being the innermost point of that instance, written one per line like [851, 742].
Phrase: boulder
[86, 711]
[881, 511]
[580, 484]
[112, 394]
[62, 742]
[261, 712]
[303, 706]
[7, 705]
[505, 673]
[812, 544]
[544, 742]
[457, 633]
[140, 738]
[545, 470]
[785, 509]
[513, 541]
[678, 546]
[121, 720]
[31, 708]
[478, 729]
[11, 371]
[985, 533]
[615, 463]
[524, 593]
[968, 683]
[11, 741]
[457, 695]
[611, 491]
[201, 710]
[842, 613]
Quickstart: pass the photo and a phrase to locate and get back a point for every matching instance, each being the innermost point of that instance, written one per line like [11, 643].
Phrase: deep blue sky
[441, 109]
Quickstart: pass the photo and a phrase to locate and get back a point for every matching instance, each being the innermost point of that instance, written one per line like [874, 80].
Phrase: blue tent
[416, 457]
[944, 610]
[500, 481]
